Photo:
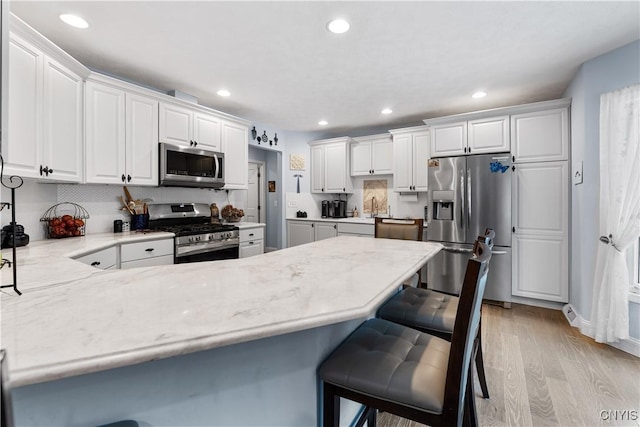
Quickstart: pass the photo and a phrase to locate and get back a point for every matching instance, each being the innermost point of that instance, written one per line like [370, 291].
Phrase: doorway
[256, 206]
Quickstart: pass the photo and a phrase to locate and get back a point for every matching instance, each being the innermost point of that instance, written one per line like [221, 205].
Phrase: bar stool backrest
[403, 229]
[464, 330]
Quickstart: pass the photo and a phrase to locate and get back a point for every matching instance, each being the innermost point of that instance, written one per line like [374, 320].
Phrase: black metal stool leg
[330, 407]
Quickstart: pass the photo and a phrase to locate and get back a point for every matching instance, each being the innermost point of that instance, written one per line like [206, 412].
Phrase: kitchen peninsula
[231, 342]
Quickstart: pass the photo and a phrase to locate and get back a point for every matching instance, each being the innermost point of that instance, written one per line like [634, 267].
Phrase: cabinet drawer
[148, 262]
[145, 250]
[103, 259]
[251, 248]
[251, 234]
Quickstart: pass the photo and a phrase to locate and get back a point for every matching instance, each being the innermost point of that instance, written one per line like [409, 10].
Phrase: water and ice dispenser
[443, 205]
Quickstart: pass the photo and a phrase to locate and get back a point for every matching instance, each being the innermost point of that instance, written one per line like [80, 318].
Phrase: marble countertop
[242, 225]
[49, 262]
[91, 320]
[352, 220]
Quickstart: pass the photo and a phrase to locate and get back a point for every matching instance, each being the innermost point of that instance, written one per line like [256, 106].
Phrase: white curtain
[619, 211]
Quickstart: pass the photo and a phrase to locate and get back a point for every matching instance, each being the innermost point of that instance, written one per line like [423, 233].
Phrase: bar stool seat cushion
[393, 363]
[423, 309]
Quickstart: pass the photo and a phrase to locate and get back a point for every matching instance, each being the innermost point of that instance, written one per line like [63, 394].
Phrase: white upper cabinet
[176, 124]
[449, 139]
[410, 158]
[372, 155]
[330, 162]
[63, 122]
[105, 134]
[187, 127]
[121, 136]
[540, 136]
[141, 127]
[486, 135]
[206, 131]
[235, 146]
[44, 137]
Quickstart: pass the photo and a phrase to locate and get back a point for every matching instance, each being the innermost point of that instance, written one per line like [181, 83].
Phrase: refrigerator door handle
[469, 198]
[457, 250]
[461, 199]
[498, 252]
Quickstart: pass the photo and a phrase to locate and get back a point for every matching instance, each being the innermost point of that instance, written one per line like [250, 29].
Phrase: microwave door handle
[215, 172]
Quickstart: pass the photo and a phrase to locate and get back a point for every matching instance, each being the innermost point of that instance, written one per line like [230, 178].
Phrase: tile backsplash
[102, 202]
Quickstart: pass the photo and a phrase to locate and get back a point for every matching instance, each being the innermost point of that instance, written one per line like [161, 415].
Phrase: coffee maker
[339, 209]
[325, 209]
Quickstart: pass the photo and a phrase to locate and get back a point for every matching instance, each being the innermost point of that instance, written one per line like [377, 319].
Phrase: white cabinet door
[299, 233]
[403, 162]
[541, 199]
[148, 262]
[105, 134]
[175, 125]
[103, 259]
[361, 158]
[235, 145]
[317, 168]
[541, 267]
[335, 173]
[420, 160]
[141, 140]
[540, 136]
[382, 156]
[488, 135]
[63, 122]
[325, 230]
[540, 216]
[21, 146]
[449, 139]
[206, 131]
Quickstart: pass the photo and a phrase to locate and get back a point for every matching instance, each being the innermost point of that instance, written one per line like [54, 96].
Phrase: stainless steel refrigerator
[466, 195]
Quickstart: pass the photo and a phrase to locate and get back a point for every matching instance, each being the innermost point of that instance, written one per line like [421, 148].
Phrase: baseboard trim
[537, 303]
[630, 345]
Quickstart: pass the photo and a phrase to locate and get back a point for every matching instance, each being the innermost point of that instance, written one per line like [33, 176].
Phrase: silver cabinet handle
[498, 252]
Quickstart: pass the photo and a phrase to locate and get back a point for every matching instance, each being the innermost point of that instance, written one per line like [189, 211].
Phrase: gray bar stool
[409, 373]
[434, 312]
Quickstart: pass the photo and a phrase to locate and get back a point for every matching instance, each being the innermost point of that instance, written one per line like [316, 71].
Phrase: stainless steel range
[196, 238]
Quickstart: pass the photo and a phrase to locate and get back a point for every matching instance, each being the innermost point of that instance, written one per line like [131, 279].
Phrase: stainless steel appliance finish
[466, 195]
[190, 167]
[196, 238]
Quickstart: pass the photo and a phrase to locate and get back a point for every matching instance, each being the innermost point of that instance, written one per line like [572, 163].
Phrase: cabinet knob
[95, 263]
[513, 168]
[312, 225]
[344, 189]
[149, 250]
[513, 158]
[41, 170]
[250, 235]
[50, 171]
[469, 149]
[323, 189]
[513, 229]
[465, 149]
[123, 178]
[195, 143]
[128, 178]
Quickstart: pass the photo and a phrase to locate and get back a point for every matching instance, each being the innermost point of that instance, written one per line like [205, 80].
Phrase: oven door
[215, 255]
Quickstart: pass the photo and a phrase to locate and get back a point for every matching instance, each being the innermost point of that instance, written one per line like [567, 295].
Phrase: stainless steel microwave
[190, 167]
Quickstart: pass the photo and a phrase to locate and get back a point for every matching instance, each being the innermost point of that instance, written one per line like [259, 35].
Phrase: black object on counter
[301, 214]
[9, 238]
[117, 226]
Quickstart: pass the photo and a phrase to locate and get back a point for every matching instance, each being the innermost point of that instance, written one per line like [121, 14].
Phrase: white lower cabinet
[251, 241]
[301, 232]
[358, 230]
[105, 259]
[145, 254]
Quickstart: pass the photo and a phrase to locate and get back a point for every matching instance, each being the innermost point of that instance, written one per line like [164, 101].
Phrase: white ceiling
[284, 69]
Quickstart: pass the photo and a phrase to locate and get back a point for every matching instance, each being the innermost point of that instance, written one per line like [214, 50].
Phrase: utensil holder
[140, 222]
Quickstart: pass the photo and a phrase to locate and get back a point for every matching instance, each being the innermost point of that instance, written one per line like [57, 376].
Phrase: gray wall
[611, 71]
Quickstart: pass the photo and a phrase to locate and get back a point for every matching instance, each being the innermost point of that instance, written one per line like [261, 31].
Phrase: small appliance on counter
[301, 214]
[334, 209]
[8, 236]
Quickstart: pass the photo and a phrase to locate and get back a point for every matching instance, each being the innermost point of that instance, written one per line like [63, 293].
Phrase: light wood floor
[542, 372]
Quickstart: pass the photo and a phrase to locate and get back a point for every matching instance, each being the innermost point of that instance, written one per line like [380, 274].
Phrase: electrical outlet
[292, 204]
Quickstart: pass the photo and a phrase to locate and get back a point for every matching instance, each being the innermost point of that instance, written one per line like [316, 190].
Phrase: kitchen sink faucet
[374, 205]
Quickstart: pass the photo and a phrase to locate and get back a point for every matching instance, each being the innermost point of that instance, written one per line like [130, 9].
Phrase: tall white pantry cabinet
[540, 211]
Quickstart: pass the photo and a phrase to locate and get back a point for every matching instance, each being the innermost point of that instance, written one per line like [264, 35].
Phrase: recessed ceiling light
[479, 94]
[338, 26]
[74, 21]
[387, 111]
[223, 92]
[323, 122]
